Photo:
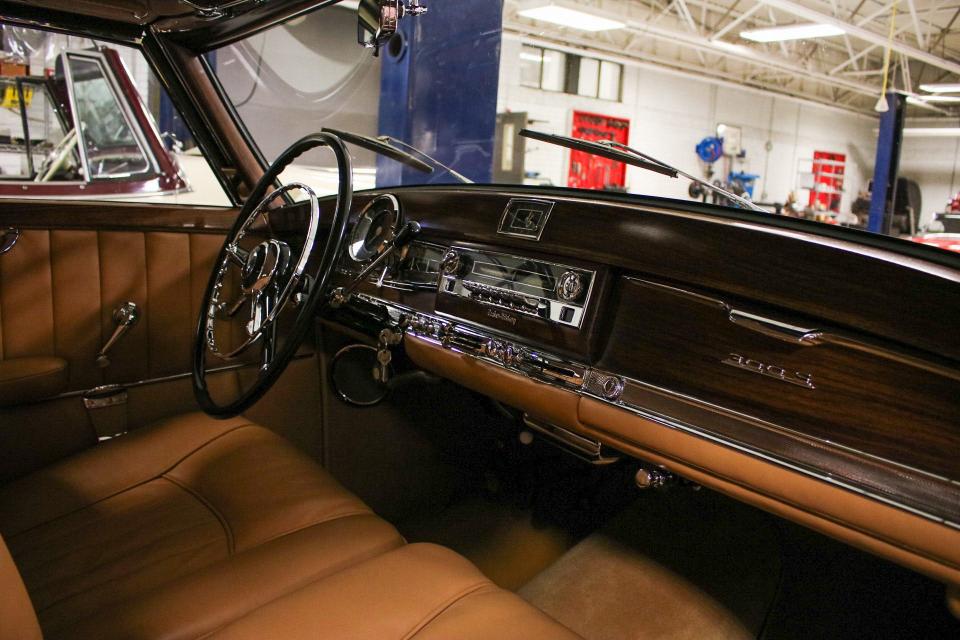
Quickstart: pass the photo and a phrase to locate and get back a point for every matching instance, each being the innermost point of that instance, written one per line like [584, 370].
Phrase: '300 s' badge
[770, 370]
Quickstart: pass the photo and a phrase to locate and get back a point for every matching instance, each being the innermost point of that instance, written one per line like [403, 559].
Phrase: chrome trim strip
[158, 380]
[548, 209]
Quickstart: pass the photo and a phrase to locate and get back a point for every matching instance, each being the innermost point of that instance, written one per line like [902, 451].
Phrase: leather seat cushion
[420, 591]
[224, 515]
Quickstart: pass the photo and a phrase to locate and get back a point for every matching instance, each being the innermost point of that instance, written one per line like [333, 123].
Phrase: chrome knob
[570, 286]
[611, 387]
[451, 264]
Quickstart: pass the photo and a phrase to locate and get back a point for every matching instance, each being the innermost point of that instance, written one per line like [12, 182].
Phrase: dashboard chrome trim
[541, 224]
[680, 412]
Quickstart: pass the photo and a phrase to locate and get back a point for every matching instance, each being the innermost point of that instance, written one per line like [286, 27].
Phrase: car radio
[525, 286]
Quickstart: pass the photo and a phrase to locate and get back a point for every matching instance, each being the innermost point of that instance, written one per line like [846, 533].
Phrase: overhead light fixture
[931, 132]
[729, 46]
[933, 99]
[941, 87]
[792, 32]
[569, 14]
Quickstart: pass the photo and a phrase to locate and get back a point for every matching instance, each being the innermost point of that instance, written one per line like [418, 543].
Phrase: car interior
[452, 410]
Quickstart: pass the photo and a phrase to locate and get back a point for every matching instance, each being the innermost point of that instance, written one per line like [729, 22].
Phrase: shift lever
[409, 231]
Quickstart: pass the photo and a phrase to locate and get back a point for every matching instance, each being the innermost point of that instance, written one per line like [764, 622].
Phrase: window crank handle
[124, 317]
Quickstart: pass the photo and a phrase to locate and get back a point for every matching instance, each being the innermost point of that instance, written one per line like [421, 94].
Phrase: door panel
[72, 266]
[58, 290]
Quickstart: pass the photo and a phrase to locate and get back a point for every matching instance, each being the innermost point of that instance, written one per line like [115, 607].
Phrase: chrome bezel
[361, 229]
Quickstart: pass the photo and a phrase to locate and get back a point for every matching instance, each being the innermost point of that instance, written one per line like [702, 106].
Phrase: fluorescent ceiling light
[792, 32]
[567, 14]
[941, 88]
[934, 99]
[931, 132]
[729, 46]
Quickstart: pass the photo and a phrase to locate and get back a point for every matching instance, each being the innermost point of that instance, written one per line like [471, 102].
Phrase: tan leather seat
[174, 530]
[420, 591]
[196, 526]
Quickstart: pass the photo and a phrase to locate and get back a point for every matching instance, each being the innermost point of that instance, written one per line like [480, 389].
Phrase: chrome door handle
[124, 317]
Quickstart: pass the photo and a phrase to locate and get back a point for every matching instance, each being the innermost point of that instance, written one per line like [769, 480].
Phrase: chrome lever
[341, 295]
[775, 329]
[125, 317]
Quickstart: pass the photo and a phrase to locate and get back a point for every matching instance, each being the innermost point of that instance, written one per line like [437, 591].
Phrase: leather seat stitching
[131, 487]
[231, 545]
[348, 514]
[305, 583]
[439, 610]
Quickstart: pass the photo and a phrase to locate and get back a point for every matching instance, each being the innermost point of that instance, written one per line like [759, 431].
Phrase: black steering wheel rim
[320, 278]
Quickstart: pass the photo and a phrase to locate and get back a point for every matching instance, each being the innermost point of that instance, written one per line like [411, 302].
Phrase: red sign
[588, 171]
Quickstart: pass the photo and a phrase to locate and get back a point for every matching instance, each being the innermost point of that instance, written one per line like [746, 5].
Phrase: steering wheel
[269, 278]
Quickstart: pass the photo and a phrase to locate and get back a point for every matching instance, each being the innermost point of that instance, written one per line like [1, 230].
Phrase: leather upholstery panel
[211, 598]
[229, 474]
[170, 513]
[31, 378]
[126, 544]
[418, 591]
[58, 290]
[105, 470]
[26, 309]
[16, 610]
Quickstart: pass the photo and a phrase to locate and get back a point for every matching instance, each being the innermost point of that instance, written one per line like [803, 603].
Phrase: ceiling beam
[864, 34]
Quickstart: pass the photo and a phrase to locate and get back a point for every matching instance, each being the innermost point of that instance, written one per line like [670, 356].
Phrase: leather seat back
[19, 621]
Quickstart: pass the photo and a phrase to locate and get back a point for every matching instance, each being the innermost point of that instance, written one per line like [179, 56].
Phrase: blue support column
[438, 90]
[887, 165]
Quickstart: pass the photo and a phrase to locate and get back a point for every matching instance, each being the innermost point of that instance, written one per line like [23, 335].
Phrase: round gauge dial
[379, 222]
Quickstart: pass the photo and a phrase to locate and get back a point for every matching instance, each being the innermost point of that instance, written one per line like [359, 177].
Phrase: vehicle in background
[119, 152]
[946, 241]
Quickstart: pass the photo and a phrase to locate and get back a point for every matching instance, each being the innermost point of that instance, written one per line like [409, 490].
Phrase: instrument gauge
[377, 225]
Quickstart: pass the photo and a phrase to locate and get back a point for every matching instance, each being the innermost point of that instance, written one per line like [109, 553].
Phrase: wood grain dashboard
[836, 357]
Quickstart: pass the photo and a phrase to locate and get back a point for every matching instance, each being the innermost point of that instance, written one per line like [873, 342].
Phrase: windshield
[455, 87]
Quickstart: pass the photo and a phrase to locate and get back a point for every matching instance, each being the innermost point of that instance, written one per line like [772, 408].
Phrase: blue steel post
[887, 165]
[438, 91]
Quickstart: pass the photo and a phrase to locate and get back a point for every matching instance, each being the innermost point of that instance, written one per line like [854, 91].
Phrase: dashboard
[761, 359]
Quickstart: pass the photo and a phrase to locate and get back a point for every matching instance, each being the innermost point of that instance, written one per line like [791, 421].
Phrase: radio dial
[570, 286]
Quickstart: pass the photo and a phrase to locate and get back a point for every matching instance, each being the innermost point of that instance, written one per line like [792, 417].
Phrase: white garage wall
[670, 113]
[935, 164]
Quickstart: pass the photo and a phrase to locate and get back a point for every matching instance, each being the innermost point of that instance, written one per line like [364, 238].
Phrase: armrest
[32, 378]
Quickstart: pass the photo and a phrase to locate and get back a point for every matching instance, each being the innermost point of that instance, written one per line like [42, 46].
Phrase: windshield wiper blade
[628, 155]
[602, 150]
[396, 141]
[387, 146]
[381, 147]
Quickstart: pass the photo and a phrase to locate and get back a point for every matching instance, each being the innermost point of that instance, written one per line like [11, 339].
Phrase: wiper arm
[628, 155]
[456, 174]
[387, 146]
[382, 148]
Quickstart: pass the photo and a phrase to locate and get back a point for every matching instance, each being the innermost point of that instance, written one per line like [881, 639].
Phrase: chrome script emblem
[770, 370]
[500, 315]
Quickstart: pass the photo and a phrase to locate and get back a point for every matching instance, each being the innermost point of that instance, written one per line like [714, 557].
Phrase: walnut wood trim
[114, 216]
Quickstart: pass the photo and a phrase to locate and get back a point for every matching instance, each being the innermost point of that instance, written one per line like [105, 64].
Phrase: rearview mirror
[377, 20]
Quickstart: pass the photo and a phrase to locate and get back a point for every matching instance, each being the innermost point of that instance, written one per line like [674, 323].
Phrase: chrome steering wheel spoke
[256, 267]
